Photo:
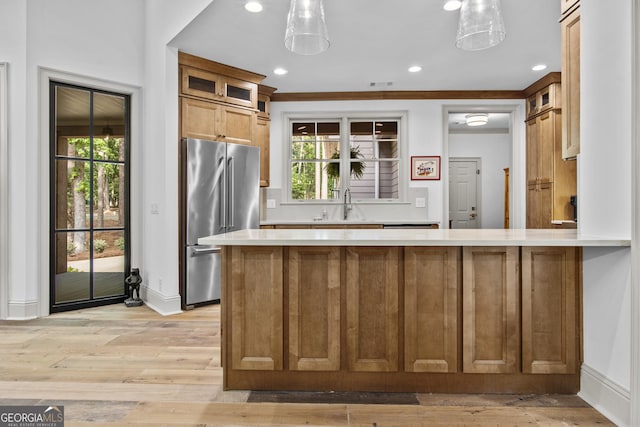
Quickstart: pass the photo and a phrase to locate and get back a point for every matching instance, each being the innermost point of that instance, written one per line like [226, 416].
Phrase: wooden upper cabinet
[200, 119]
[314, 308]
[261, 140]
[238, 125]
[550, 303]
[570, 31]
[432, 284]
[372, 278]
[490, 305]
[208, 85]
[543, 100]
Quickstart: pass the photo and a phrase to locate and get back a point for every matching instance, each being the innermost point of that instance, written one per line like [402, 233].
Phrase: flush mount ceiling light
[477, 119]
[539, 67]
[280, 71]
[452, 5]
[306, 28]
[481, 25]
[415, 69]
[253, 6]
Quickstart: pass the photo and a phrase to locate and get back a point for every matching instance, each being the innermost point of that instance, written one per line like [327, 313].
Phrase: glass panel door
[89, 197]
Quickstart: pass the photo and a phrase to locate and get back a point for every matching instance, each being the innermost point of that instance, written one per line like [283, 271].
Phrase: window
[320, 171]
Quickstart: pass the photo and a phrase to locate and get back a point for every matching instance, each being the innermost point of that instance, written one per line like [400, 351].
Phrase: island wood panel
[549, 314]
[432, 284]
[314, 308]
[372, 285]
[256, 306]
[490, 310]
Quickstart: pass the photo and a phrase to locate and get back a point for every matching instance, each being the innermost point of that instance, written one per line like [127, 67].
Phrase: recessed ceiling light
[280, 71]
[415, 69]
[253, 6]
[452, 5]
[539, 67]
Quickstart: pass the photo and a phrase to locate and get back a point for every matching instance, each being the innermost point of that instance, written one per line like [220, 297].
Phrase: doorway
[89, 196]
[496, 146]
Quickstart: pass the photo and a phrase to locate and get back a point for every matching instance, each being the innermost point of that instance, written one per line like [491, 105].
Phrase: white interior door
[463, 193]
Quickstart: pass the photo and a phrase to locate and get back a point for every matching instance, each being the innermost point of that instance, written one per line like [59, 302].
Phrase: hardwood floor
[118, 366]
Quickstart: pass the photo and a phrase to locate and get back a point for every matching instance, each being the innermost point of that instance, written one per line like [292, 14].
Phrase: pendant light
[481, 25]
[306, 28]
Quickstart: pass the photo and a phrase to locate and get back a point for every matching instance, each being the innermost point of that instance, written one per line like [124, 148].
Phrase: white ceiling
[377, 41]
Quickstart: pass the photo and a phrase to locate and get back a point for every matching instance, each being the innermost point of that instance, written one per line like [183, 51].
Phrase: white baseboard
[162, 304]
[23, 310]
[610, 399]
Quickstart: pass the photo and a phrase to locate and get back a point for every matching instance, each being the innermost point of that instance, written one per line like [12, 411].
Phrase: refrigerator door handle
[231, 177]
[223, 196]
[204, 251]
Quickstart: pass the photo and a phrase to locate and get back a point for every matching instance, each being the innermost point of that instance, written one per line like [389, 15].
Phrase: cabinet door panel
[314, 309]
[490, 310]
[256, 308]
[570, 29]
[549, 284]
[262, 137]
[431, 309]
[546, 139]
[239, 125]
[372, 308]
[200, 119]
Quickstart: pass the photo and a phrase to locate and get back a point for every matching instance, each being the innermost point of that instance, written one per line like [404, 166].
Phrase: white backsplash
[272, 209]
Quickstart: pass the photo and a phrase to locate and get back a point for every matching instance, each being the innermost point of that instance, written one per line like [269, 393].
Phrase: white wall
[110, 41]
[605, 199]
[494, 151]
[426, 127]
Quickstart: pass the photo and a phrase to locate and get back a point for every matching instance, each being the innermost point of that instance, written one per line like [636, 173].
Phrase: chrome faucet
[346, 205]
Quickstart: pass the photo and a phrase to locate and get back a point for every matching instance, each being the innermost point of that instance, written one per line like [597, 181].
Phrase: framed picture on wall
[425, 167]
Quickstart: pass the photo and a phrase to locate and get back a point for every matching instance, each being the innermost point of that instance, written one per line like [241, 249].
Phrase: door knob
[472, 215]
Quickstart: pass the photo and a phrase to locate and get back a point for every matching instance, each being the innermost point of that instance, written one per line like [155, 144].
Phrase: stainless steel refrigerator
[221, 195]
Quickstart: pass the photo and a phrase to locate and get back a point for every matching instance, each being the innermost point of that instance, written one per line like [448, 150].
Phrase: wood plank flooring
[118, 366]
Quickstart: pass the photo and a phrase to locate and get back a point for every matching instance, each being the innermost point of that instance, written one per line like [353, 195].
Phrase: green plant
[99, 245]
[71, 248]
[72, 270]
[357, 168]
[120, 243]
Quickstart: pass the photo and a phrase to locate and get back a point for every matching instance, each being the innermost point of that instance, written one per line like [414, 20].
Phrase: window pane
[374, 140]
[72, 279]
[108, 195]
[72, 120]
[71, 194]
[108, 127]
[379, 180]
[108, 263]
[313, 180]
[315, 140]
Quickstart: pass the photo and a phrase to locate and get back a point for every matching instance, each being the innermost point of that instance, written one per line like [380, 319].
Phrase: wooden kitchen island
[450, 311]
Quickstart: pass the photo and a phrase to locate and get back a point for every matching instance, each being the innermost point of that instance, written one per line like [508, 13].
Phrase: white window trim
[344, 117]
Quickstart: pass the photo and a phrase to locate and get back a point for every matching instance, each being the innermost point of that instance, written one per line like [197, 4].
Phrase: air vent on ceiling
[380, 84]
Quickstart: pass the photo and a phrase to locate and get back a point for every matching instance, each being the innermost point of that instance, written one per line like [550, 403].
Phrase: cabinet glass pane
[238, 93]
[262, 106]
[204, 85]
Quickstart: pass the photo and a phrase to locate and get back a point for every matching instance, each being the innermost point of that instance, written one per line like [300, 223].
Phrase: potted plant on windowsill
[333, 169]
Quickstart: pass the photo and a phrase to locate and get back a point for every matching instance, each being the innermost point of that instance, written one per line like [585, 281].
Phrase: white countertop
[345, 222]
[408, 237]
